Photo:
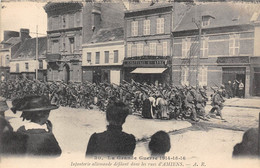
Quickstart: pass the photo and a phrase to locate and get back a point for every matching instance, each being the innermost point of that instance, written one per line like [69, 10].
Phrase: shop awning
[148, 70]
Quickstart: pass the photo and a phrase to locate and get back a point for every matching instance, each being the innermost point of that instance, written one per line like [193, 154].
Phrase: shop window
[115, 56]
[97, 58]
[146, 27]
[106, 57]
[134, 28]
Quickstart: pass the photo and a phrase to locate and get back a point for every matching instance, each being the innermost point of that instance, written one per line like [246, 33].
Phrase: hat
[3, 104]
[32, 103]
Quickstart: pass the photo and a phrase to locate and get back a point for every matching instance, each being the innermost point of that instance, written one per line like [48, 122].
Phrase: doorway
[66, 73]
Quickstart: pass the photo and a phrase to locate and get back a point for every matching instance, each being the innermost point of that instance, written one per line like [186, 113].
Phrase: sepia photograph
[129, 83]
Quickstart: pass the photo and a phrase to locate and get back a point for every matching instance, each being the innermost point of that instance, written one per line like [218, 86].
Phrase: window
[205, 21]
[64, 21]
[204, 47]
[106, 57]
[26, 66]
[159, 49]
[153, 49]
[115, 56]
[55, 46]
[186, 43]
[234, 44]
[129, 49]
[185, 75]
[203, 76]
[165, 50]
[134, 50]
[17, 67]
[160, 25]
[146, 50]
[72, 44]
[97, 57]
[140, 49]
[89, 57]
[134, 28]
[146, 27]
[1, 61]
[40, 64]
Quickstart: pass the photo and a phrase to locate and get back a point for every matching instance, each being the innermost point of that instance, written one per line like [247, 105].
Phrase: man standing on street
[241, 87]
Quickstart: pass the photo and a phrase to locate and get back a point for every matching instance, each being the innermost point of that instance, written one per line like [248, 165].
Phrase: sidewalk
[243, 103]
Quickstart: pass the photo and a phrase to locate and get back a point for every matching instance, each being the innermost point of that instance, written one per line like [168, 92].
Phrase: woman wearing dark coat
[35, 112]
[113, 141]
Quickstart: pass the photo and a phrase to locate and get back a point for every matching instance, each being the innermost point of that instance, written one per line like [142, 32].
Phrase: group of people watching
[35, 136]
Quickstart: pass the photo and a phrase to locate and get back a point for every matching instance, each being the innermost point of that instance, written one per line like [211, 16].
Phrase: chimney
[9, 34]
[96, 17]
[24, 34]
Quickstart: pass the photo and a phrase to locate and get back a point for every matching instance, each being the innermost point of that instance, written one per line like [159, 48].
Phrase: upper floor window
[185, 75]
[165, 49]
[40, 64]
[97, 57]
[146, 27]
[159, 49]
[129, 49]
[140, 49]
[55, 46]
[72, 44]
[186, 43]
[106, 56]
[134, 50]
[153, 49]
[203, 76]
[204, 47]
[17, 67]
[26, 66]
[134, 28]
[89, 57]
[205, 21]
[234, 44]
[115, 56]
[160, 25]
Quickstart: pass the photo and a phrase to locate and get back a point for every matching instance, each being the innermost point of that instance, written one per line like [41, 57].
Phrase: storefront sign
[233, 60]
[146, 62]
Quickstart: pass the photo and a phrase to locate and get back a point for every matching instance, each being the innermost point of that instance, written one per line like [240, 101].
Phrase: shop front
[236, 69]
[148, 69]
[101, 74]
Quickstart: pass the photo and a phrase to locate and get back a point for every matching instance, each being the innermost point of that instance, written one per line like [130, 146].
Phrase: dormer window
[205, 21]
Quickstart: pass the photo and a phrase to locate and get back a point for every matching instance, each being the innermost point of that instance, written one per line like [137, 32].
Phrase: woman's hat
[3, 104]
[32, 103]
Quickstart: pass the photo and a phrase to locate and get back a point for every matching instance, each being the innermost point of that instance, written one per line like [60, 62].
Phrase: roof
[222, 13]
[10, 42]
[108, 35]
[28, 48]
[134, 7]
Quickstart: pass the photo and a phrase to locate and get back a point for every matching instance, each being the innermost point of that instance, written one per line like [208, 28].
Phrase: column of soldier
[149, 101]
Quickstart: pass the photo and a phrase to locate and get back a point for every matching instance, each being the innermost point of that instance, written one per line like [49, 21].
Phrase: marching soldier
[217, 103]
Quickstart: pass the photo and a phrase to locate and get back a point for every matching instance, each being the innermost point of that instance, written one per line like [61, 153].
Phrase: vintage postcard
[129, 83]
